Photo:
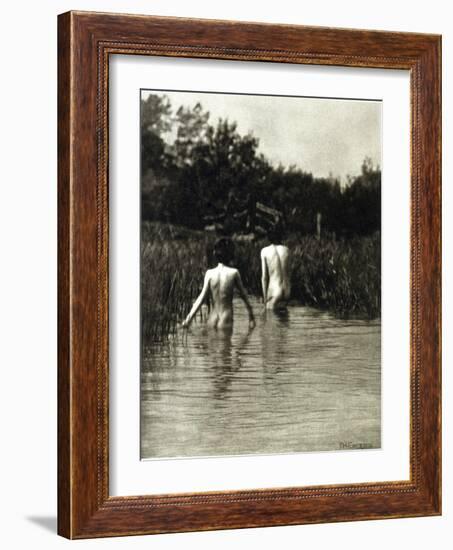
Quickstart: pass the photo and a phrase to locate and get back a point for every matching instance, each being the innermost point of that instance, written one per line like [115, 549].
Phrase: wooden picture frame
[85, 42]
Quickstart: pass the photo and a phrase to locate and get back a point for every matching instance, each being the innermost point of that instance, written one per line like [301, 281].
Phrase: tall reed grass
[172, 272]
[340, 276]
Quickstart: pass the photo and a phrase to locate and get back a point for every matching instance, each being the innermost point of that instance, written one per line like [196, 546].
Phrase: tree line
[191, 168]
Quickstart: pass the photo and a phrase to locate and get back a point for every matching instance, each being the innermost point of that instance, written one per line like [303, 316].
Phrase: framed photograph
[249, 275]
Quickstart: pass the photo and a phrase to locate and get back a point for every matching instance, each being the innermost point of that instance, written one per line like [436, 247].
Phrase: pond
[298, 382]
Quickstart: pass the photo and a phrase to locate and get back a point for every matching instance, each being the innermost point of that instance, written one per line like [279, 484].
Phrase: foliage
[341, 276]
[190, 179]
[193, 168]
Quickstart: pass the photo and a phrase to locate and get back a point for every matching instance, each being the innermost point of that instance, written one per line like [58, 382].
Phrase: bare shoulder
[234, 273]
[265, 251]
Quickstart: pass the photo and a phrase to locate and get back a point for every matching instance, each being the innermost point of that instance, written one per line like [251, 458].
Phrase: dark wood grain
[85, 42]
[64, 390]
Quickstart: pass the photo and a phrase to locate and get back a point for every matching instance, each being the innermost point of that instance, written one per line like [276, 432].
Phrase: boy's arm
[264, 277]
[243, 295]
[198, 302]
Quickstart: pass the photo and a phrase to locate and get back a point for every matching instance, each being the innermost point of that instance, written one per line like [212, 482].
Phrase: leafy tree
[192, 127]
[156, 114]
[155, 120]
[211, 171]
[361, 205]
[225, 162]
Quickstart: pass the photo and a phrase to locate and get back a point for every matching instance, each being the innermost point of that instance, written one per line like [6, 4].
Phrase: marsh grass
[172, 271]
[343, 277]
[340, 276]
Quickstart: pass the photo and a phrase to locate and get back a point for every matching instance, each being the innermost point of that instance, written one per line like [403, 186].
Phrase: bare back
[222, 280]
[275, 275]
[219, 284]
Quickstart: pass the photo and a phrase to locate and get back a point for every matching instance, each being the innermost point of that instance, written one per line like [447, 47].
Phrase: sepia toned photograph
[260, 274]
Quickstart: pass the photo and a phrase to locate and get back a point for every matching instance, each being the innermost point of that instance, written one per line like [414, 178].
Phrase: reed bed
[339, 276]
[172, 272]
[343, 277]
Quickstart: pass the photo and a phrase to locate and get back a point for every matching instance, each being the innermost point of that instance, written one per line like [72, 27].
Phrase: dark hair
[224, 250]
[275, 233]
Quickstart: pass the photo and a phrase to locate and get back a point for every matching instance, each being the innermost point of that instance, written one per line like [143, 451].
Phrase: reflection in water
[225, 357]
[300, 381]
[274, 336]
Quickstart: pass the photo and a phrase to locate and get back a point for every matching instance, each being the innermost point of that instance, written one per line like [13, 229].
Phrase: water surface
[304, 381]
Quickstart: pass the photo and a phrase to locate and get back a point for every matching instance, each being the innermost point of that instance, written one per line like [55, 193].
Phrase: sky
[327, 137]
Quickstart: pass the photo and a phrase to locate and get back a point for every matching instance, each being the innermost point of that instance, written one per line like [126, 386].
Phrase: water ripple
[303, 382]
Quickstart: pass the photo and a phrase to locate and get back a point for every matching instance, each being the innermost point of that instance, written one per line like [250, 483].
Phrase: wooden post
[318, 225]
